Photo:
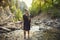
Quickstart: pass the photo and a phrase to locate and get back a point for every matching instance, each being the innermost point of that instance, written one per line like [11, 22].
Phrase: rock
[4, 30]
[37, 23]
[5, 15]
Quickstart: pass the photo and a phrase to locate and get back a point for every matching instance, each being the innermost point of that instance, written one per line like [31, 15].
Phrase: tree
[49, 6]
[36, 7]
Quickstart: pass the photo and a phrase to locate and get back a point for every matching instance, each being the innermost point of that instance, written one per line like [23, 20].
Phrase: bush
[17, 12]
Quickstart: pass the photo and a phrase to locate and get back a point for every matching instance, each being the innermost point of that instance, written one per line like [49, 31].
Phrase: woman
[27, 21]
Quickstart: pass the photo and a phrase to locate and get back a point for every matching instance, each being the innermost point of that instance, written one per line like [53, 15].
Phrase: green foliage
[18, 15]
[35, 7]
[45, 6]
[56, 13]
[13, 8]
[17, 12]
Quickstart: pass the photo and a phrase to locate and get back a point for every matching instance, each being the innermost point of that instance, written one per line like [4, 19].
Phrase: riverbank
[42, 28]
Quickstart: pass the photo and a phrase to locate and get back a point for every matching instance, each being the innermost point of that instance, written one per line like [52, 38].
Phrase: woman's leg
[28, 33]
[24, 34]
